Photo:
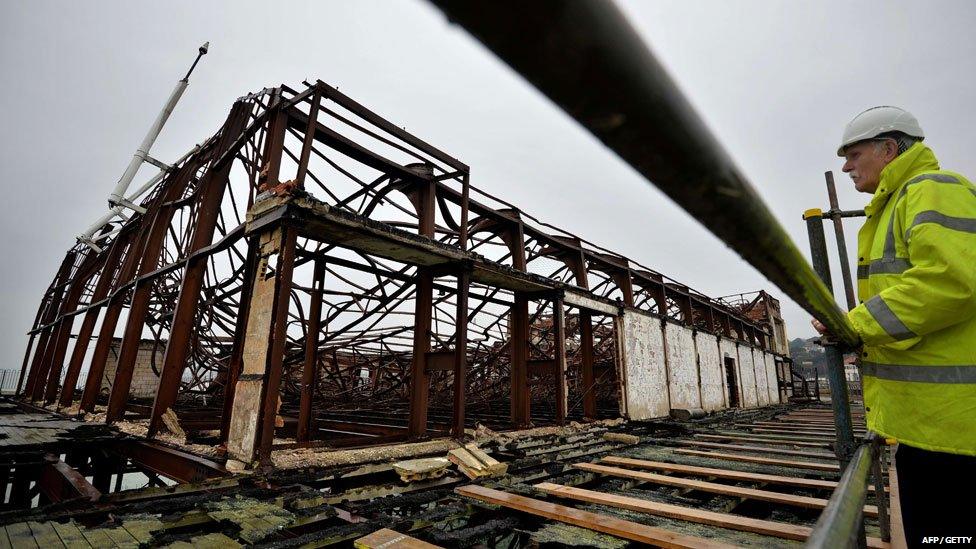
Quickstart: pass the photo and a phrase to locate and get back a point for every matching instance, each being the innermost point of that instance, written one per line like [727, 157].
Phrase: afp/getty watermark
[947, 540]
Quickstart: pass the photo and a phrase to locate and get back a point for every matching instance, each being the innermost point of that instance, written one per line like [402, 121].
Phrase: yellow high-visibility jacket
[916, 282]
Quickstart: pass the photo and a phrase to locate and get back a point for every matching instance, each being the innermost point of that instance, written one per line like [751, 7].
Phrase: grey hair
[902, 140]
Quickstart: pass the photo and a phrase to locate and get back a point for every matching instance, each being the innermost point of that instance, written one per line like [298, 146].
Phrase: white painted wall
[695, 372]
[773, 387]
[727, 348]
[747, 374]
[711, 372]
[683, 366]
[762, 392]
[646, 386]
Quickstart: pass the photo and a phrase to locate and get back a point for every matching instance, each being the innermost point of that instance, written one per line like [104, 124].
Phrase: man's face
[864, 161]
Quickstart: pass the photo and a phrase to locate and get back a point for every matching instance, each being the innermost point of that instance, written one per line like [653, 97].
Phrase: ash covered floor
[740, 477]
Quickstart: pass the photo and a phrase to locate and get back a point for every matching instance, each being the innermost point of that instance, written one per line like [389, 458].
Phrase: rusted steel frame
[587, 362]
[310, 366]
[53, 298]
[212, 186]
[514, 238]
[309, 139]
[461, 350]
[30, 347]
[59, 482]
[113, 309]
[653, 282]
[465, 191]
[423, 197]
[149, 258]
[519, 333]
[679, 294]
[378, 121]
[279, 327]
[65, 322]
[299, 121]
[559, 350]
[237, 353]
[169, 462]
[121, 242]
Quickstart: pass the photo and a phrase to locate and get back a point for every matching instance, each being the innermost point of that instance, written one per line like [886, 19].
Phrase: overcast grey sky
[776, 81]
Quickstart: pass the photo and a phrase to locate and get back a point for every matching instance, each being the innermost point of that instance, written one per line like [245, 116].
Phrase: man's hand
[819, 327]
[826, 338]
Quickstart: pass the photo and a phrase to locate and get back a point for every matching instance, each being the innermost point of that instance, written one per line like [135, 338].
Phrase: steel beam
[139, 305]
[169, 462]
[460, 350]
[59, 482]
[310, 372]
[212, 188]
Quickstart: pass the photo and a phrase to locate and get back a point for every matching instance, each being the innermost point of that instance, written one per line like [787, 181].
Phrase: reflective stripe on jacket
[917, 285]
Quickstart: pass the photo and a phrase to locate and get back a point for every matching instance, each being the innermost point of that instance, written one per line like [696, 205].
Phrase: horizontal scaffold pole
[587, 58]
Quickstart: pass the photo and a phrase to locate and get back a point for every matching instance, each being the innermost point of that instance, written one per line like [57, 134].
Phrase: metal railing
[8, 381]
[603, 75]
[841, 524]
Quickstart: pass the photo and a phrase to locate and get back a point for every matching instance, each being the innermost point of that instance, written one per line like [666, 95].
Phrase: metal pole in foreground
[845, 267]
[844, 442]
[604, 76]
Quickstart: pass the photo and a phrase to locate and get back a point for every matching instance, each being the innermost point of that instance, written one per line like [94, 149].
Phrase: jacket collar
[918, 159]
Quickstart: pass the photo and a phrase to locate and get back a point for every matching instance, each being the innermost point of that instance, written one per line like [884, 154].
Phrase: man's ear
[891, 149]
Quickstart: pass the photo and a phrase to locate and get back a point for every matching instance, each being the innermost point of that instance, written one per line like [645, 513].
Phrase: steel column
[139, 305]
[519, 341]
[310, 367]
[461, 350]
[212, 192]
[423, 197]
[844, 445]
[559, 349]
[37, 372]
[586, 355]
[845, 266]
[122, 240]
[256, 401]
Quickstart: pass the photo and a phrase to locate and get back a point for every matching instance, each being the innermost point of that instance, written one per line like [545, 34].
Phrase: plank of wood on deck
[45, 535]
[716, 488]
[391, 539]
[724, 520]
[594, 521]
[760, 460]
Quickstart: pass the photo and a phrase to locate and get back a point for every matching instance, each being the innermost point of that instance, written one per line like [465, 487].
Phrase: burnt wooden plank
[594, 521]
[763, 461]
[724, 520]
[716, 488]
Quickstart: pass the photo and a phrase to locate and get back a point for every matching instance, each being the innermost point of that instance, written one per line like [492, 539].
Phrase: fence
[9, 379]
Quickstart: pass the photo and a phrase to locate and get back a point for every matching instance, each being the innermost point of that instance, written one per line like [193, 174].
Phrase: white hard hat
[879, 120]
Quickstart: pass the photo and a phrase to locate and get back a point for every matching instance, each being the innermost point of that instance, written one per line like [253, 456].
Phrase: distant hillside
[808, 356]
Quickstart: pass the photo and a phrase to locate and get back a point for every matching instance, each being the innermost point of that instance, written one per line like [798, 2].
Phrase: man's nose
[848, 166]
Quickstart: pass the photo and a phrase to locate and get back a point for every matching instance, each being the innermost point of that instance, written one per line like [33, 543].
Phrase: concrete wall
[773, 385]
[711, 372]
[762, 392]
[645, 377]
[693, 375]
[144, 379]
[683, 366]
[747, 377]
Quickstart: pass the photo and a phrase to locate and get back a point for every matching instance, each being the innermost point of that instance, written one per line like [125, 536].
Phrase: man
[916, 274]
